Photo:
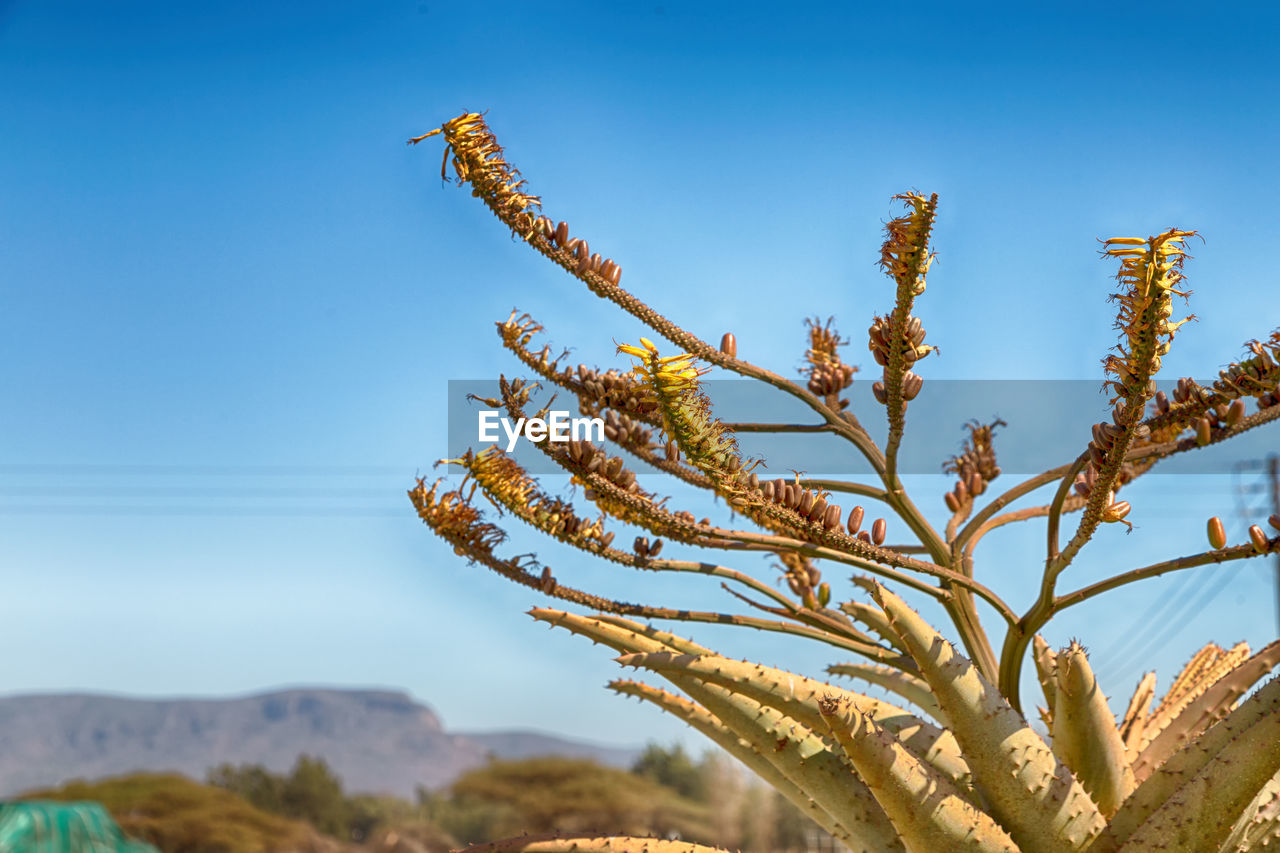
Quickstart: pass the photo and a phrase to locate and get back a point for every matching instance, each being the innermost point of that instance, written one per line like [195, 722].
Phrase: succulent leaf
[798, 697]
[873, 618]
[665, 638]
[1030, 792]
[1212, 756]
[906, 685]
[1259, 826]
[925, 807]
[1204, 668]
[1045, 660]
[793, 749]
[1085, 735]
[1200, 814]
[707, 723]
[567, 844]
[1135, 717]
[1212, 703]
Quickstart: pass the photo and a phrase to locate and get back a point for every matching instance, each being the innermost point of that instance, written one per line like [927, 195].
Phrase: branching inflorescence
[964, 771]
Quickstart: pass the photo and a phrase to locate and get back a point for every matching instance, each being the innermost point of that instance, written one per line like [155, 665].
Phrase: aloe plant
[951, 763]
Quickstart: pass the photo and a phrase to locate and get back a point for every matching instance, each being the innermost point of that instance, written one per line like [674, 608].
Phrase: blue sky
[232, 298]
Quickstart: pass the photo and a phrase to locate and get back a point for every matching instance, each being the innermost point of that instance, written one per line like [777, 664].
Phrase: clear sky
[231, 299]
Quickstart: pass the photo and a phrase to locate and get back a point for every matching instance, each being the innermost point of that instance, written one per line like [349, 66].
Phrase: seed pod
[953, 503]
[864, 536]
[606, 268]
[1096, 455]
[655, 547]
[1162, 402]
[961, 491]
[582, 250]
[792, 496]
[1274, 521]
[610, 432]
[626, 478]
[855, 520]
[562, 233]
[672, 451]
[615, 275]
[795, 585]
[613, 467]
[1235, 412]
[1116, 511]
[818, 510]
[706, 522]
[877, 390]
[806, 502]
[768, 491]
[911, 385]
[1203, 432]
[584, 264]
[595, 463]
[878, 530]
[754, 480]
[607, 539]
[595, 262]
[831, 520]
[977, 485]
[1217, 533]
[1100, 436]
[641, 546]
[729, 345]
[547, 582]
[780, 490]
[915, 331]
[1259, 538]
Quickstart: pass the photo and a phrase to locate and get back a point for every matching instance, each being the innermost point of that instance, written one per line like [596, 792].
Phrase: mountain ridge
[378, 740]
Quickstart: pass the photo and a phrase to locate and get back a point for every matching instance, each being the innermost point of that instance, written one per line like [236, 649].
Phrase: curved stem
[1025, 487]
[1071, 504]
[844, 487]
[763, 427]
[1239, 552]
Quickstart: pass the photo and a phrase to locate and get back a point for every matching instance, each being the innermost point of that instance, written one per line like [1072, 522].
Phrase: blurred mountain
[376, 741]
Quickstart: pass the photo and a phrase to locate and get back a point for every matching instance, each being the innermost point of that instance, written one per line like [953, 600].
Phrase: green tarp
[50, 827]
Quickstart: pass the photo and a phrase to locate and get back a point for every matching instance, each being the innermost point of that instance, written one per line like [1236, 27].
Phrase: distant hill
[377, 741]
